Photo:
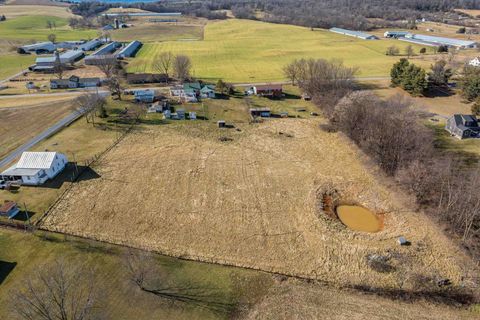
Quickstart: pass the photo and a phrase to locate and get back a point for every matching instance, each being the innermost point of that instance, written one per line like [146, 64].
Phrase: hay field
[251, 202]
[154, 32]
[243, 51]
[14, 11]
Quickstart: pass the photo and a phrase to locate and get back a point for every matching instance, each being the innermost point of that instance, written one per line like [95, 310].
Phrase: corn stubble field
[252, 202]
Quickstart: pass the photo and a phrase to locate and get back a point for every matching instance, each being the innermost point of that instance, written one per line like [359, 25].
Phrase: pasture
[10, 64]
[250, 197]
[30, 28]
[154, 32]
[251, 51]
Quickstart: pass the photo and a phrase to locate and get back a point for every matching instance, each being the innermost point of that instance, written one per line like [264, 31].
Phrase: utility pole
[26, 214]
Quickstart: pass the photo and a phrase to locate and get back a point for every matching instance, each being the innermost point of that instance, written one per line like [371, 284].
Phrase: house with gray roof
[74, 82]
[463, 126]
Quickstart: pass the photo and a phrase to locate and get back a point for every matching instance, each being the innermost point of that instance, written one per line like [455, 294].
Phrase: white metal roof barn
[356, 34]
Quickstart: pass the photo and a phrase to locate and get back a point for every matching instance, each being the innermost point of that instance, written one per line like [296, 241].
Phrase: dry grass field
[253, 202]
[14, 11]
[298, 300]
[21, 123]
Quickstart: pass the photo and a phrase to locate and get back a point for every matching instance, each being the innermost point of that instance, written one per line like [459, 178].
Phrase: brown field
[24, 9]
[21, 123]
[252, 202]
[299, 300]
[444, 106]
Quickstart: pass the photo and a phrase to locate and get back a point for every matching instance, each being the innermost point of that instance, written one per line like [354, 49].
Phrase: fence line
[79, 173]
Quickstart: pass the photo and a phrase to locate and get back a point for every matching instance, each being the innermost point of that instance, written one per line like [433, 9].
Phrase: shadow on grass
[5, 269]
[68, 175]
[205, 298]
[84, 245]
[438, 93]
[448, 296]
[23, 216]
[290, 96]
[450, 146]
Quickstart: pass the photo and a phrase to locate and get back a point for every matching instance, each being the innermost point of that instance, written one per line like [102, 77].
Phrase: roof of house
[208, 87]
[192, 86]
[7, 206]
[466, 122]
[60, 81]
[36, 160]
[14, 171]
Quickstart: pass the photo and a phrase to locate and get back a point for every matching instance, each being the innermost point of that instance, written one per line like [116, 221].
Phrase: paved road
[48, 132]
[53, 94]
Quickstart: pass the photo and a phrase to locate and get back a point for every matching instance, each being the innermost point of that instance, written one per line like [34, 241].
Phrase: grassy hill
[35, 28]
[244, 50]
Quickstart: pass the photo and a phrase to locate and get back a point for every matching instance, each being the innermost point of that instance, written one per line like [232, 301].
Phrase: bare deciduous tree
[163, 64]
[409, 51]
[108, 65]
[52, 37]
[182, 66]
[57, 292]
[89, 104]
[115, 87]
[291, 71]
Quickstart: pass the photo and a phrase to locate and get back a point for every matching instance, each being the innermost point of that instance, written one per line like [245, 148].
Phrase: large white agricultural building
[352, 33]
[432, 41]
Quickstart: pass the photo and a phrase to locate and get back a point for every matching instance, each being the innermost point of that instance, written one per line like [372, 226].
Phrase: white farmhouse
[34, 168]
[475, 62]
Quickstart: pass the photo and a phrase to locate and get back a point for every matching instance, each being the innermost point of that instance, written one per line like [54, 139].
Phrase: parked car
[3, 184]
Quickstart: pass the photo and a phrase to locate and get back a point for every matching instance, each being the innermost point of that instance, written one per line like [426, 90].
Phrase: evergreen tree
[398, 71]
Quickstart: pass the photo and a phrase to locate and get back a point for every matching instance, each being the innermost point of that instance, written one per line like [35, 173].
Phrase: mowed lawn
[244, 51]
[215, 291]
[35, 28]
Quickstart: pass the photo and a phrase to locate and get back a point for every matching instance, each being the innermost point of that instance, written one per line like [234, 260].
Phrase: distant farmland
[243, 50]
[35, 28]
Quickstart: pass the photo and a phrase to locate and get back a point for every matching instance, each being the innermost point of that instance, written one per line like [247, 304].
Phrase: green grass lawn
[10, 64]
[250, 51]
[218, 288]
[35, 28]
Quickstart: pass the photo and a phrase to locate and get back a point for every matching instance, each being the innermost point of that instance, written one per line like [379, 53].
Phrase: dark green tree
[476, 107]
[398, 71]
[414, 80]
[470, 83]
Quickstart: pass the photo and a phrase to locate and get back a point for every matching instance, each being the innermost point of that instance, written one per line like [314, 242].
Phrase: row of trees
[166, 62]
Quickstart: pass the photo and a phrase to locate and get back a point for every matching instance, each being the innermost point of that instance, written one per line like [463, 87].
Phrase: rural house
[192, 91]
[34, 168]
[145, 95]
[74, 82]
[475, 62]
[463, 126]
[9, 209]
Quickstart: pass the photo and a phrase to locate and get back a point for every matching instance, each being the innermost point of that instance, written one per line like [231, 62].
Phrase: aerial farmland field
[251, 201]
[249, 51]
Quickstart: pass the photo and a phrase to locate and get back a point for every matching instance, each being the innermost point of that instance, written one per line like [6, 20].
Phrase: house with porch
[463, 126]
[35, 168]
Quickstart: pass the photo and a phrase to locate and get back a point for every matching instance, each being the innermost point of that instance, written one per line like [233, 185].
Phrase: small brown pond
[359, 219]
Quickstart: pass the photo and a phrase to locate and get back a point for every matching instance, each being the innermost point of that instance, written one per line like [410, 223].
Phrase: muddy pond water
[359, 219]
